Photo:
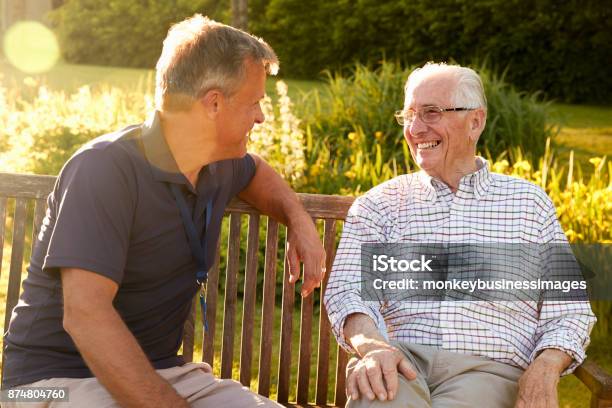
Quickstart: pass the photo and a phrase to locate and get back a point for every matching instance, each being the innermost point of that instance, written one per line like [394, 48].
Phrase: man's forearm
[361, 332]
[271, 195]
[116, 359]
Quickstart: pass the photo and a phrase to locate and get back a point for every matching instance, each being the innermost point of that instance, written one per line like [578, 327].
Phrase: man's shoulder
[511, 185]
[106, 157]
[117, 142]
[397, 188]
[387, 197]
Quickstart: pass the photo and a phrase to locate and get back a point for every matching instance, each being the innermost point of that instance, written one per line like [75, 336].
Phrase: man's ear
[477, 124]
[211, 102]
[478, 120]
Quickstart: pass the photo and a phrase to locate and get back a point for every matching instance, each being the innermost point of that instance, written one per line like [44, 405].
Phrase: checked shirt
[486, 208]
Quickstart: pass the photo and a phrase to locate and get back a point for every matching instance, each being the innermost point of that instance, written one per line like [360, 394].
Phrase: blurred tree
[240, 12]
[123, 32]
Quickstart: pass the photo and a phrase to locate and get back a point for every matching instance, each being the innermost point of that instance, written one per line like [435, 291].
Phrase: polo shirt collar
[157, 152]
[480, 181]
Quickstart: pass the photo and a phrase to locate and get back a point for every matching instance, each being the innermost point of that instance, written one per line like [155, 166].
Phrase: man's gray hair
[200, 54]
[469, 92]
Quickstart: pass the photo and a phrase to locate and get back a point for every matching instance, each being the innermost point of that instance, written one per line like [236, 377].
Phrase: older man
[448, 353]
[132, 227]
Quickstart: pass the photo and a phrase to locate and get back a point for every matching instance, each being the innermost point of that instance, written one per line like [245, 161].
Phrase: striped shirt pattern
[486, 208]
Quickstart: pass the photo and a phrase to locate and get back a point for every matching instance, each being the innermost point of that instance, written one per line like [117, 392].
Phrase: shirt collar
[478, 182]
[158, 154]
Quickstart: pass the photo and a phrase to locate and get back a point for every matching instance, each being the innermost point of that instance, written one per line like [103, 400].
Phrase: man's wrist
[556, 359]
[366, 347]
[296, 216]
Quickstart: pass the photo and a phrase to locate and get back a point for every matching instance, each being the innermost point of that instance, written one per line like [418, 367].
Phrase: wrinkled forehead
[435, 89]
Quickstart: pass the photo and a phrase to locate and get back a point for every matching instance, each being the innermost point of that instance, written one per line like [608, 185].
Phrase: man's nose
[259, 115]
[417, 126]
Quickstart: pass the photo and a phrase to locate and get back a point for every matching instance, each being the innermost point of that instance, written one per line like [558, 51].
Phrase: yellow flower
[500, 166]
[314, 170]
[352, 136]
[378, 135]
[350, 174]
[595, 161]
[522, 165]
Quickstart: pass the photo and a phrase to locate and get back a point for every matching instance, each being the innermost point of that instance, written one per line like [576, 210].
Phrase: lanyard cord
[197, 244]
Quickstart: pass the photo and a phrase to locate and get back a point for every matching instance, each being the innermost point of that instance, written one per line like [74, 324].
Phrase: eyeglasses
[427, 114]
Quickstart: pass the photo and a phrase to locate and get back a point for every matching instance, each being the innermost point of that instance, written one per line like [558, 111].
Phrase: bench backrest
[217, 345]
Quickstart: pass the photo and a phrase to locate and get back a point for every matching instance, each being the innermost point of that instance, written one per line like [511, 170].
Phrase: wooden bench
[330, 210]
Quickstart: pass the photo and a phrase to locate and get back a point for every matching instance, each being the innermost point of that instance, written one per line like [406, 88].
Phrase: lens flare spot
[31, 47]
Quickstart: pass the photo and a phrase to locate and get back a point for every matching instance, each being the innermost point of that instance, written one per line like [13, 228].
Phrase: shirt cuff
[338, 320]
[568, 342]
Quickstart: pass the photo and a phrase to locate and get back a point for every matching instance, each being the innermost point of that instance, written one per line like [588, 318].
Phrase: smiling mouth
[428, 145]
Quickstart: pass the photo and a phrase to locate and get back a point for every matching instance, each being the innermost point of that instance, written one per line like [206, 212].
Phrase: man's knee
[410, 394]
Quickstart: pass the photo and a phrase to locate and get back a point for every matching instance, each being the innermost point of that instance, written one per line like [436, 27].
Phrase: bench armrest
[596, 379]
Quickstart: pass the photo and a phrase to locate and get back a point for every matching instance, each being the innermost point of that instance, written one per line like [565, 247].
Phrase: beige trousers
[193, 381]
[449, 380]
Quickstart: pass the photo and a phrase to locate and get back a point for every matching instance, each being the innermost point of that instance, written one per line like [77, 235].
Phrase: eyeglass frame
[399, 115]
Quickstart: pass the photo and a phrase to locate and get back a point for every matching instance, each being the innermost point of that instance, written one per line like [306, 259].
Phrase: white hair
[469, 91]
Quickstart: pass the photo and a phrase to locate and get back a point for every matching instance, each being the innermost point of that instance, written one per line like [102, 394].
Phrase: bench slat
[25, 185]
[305, 349]
[267, 310]
[250, 290]
[343, 358]
[40, 207]
[329, 243]
[231, 293]
[18, 244]
[284, 364]
[3, 202]
[208, 340]
[318, 206]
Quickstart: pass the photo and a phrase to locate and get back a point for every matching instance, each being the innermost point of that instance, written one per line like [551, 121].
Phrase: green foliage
[354, 114]
[557, 47]
[122, 32]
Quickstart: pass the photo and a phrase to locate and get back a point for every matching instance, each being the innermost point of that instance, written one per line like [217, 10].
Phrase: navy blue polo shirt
[112, 212]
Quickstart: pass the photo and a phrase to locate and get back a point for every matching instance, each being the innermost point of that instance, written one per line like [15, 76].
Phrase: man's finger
[376, 380]
[311, 278]
[407, 370]
[294, 263]
[352, 389]
[389, 372]
[364, 384]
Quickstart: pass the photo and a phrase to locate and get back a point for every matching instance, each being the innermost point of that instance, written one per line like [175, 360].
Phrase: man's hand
[303, 244]
[375, 375]
[538, 385]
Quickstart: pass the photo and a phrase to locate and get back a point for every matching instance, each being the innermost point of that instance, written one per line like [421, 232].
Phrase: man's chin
[426, 164]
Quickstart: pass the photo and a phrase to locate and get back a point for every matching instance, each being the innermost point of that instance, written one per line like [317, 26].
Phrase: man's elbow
[79, 318]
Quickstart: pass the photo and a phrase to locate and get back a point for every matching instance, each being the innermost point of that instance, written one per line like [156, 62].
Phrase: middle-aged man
[132, 226]
[443, 353]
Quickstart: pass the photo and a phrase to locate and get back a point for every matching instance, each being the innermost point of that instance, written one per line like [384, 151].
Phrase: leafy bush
[355, 113]
[557, 47]
[122, 32]
[39, 131]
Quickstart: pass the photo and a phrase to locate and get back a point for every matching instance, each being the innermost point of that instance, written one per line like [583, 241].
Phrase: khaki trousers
[193, 381]
[449, 380]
